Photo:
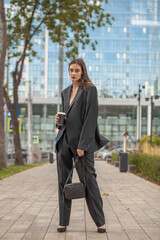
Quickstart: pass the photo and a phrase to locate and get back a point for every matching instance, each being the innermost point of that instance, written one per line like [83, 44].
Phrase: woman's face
[75, 72]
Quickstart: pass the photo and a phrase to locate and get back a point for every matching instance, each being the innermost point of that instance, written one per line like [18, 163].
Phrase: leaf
[105, 194]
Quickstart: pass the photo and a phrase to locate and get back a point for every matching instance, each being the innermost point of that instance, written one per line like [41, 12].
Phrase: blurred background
[125, 67]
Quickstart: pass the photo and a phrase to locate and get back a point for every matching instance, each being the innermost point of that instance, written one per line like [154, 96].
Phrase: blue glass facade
[127, 54]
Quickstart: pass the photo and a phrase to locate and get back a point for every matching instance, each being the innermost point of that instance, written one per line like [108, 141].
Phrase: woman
[79, 136]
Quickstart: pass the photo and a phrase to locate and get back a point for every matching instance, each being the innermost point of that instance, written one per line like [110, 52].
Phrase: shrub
[146, 164]
[146, 139]
[115, 156]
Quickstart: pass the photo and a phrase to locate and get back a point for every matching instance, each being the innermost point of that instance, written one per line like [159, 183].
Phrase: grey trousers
[93, 198]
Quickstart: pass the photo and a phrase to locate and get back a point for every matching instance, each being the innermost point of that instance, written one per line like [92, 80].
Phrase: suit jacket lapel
[79, 92]
[67, 96]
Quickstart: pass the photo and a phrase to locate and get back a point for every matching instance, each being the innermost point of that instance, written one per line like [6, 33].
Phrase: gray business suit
[80, 131]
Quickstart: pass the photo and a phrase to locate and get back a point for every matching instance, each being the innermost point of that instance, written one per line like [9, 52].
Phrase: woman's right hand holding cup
[56, 118]
[60, 118]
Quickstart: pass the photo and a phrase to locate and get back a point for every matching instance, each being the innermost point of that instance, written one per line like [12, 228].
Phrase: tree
[3, 47]
[25, 19]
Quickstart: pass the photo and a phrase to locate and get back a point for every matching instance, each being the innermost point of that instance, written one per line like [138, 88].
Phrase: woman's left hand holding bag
[80, 152]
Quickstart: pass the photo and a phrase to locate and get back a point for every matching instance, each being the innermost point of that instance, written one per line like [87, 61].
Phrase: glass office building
[127, 54]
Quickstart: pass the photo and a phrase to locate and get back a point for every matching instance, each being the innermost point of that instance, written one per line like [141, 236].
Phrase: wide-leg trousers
[65, 159]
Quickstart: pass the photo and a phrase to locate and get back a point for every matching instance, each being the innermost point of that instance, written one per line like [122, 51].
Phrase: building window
[124, 55]
[109, 29]
[97, 55]
[90, 68]
[97, 68]
[83, 54]
[127, 61]
[144, 30]
[127, 48]
[118, 55]
[124, 29]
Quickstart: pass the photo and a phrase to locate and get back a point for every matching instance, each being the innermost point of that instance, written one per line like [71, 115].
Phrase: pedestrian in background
[79, 136]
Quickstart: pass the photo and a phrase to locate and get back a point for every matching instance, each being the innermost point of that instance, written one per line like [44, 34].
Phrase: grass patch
[11, 170]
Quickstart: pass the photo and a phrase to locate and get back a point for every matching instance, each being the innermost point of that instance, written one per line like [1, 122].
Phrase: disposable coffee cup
[61, 116]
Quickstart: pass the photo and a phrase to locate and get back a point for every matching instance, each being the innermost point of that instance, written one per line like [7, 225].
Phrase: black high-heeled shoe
[101, 230]
[61, 229]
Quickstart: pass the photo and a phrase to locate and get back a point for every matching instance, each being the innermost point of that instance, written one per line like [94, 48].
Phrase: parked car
[107, 155]
[106, 148]
[45, 154]
[24, 153]
[11, 153]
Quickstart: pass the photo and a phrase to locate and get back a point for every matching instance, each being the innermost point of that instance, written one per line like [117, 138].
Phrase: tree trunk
[16, 138]
[3, 49]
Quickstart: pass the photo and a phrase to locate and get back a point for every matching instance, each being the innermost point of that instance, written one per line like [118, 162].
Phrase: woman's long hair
[84, 79]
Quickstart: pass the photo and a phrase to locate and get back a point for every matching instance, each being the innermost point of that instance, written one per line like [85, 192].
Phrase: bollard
[51, 157]
[123, 162]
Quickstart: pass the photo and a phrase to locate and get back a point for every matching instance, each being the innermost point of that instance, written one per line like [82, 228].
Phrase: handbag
[74, 190]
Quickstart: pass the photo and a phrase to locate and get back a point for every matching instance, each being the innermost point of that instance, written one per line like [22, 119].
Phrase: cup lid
[61, 113]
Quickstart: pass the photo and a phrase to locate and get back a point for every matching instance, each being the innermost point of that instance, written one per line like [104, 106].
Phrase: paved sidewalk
[29, 207]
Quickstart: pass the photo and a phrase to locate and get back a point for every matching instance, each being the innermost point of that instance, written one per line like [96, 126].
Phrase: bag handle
[74, 165]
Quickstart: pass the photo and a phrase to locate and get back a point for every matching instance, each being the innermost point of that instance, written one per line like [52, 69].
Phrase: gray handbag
[75, 190]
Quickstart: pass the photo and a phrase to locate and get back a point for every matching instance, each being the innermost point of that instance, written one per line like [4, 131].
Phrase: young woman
[79, 137]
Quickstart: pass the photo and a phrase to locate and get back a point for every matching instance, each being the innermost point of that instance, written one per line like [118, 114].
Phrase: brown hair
[84, 79]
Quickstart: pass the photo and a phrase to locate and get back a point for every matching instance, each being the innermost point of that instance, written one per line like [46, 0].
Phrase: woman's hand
[56, 118]
[80, 152]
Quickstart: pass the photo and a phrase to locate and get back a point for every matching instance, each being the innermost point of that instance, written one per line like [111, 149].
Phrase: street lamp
[151, 106]
[138, 95]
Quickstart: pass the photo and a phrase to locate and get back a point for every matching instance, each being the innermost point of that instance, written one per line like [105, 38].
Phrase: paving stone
[34, 235]
[54, 236]
[29, 207]
[153, 233]
[94, 235]
[78, 235]
[117, 235]
[13, 236]
[3, 230]
[137, 234]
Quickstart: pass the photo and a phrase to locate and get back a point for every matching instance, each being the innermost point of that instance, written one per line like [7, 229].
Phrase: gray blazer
[81, 123]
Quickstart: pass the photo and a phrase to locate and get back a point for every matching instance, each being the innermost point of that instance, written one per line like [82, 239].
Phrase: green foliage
[11, 170]
[146, 139]
[146, 164]
[67, 21]
[115, 156]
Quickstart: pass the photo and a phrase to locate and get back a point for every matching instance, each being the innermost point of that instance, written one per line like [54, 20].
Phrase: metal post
[6, 114]
[45, 123]
[29, 100]
[139, 121]
[151, 120]
[139, 115]
[60, 80]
